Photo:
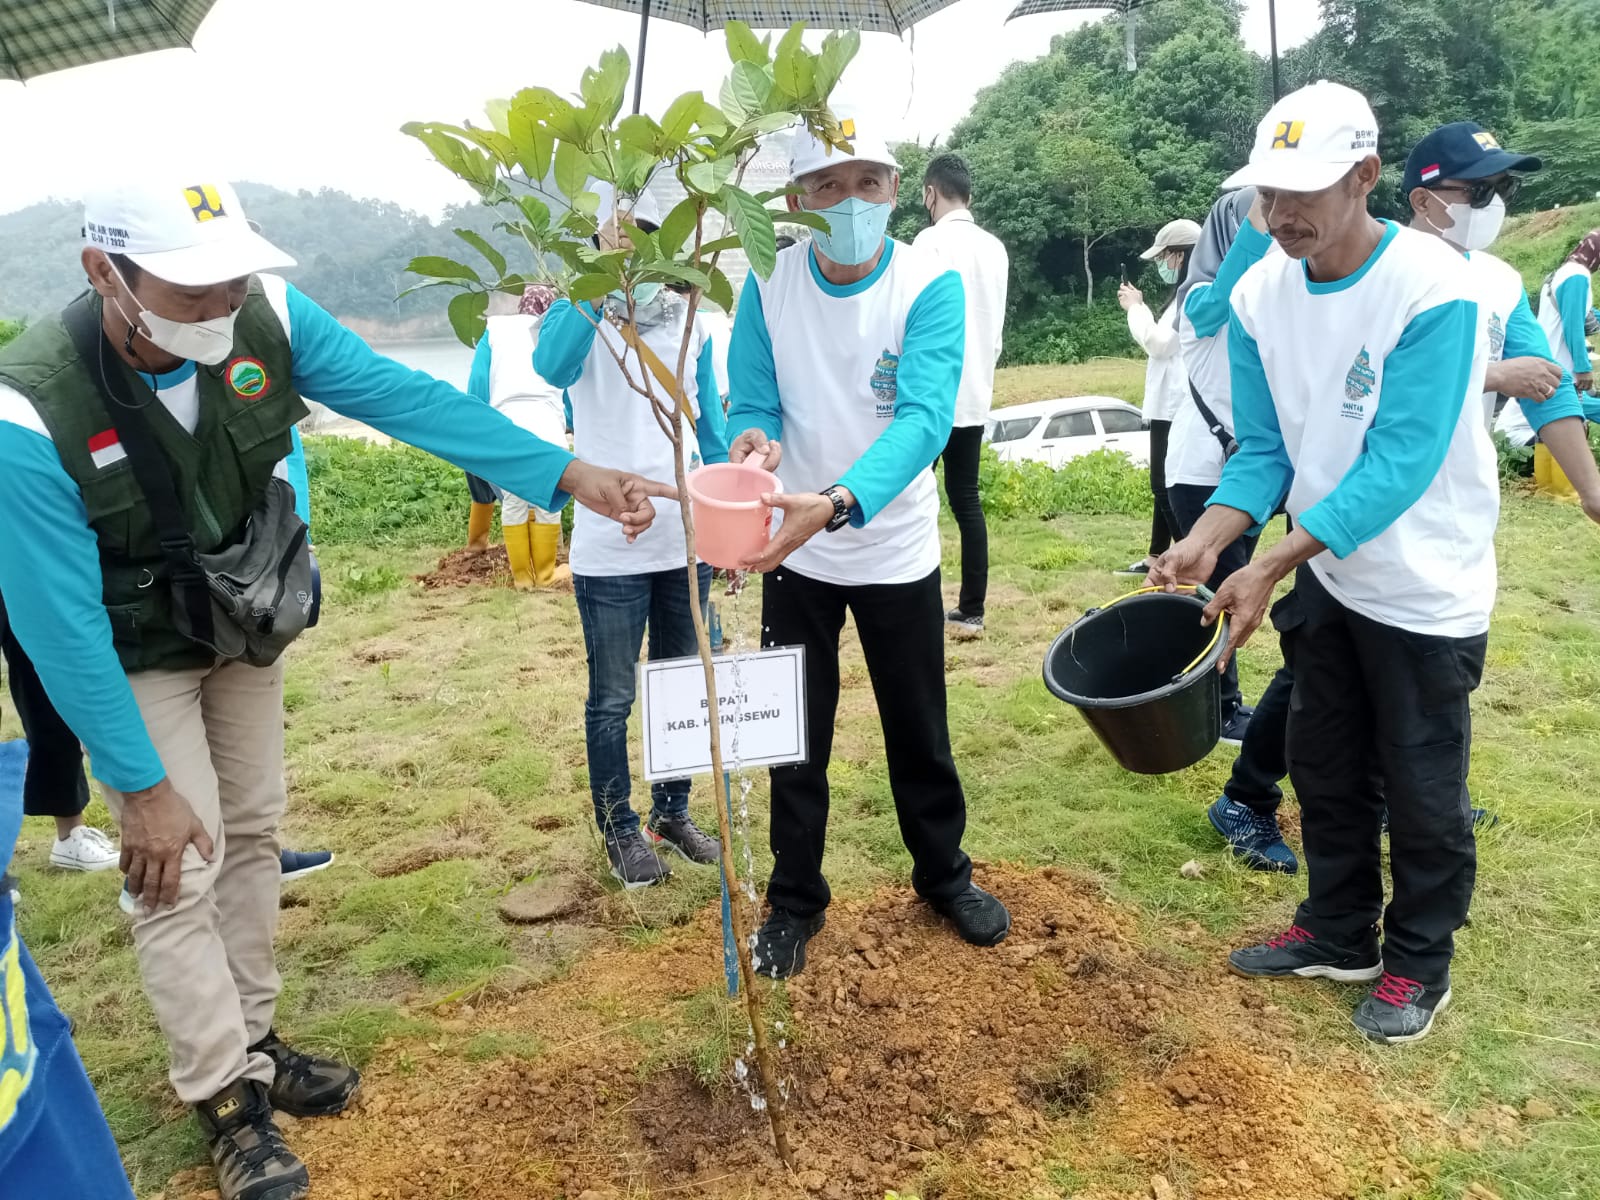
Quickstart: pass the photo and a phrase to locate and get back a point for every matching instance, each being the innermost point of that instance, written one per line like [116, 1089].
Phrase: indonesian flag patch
[1429, 174]
[106, 449]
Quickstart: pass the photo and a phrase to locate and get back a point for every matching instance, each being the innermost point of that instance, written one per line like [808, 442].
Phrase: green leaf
[679, 119]
[720, 290]
[678, 273]
[778, 193]
[602, 88]
[499, 114]
[744, 46]
[731, 242]
[592, 287]
[755, 228]
[438, 267]
[572, 169]
[838, 50]
[745, 93]
[642, 133]
[765, 124]
[677, 226]
[810, 220]
[710, 176]
[643, 244]
[478, 243]
[467, 316]
[534, 144]
[537, 213]
[794, 69]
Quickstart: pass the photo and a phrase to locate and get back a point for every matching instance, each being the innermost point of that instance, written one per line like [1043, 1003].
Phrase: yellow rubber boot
[478, 523]
[1548, 475]
[520, 552]
[546, 541]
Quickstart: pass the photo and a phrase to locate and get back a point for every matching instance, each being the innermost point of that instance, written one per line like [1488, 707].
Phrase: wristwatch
[841, 510]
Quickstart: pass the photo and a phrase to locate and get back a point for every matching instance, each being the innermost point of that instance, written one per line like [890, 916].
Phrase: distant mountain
[351, 253]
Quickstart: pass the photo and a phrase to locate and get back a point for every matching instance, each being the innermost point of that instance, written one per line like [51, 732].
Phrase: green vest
[247, 407]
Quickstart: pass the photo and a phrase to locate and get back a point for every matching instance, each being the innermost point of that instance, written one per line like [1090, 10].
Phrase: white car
[1058, 431]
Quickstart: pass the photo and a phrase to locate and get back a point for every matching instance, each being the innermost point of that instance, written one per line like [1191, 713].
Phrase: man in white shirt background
[981, 261]
[1358, 360]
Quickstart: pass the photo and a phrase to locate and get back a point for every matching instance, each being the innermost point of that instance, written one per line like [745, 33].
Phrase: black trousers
[961, 489]
[1371, 698]
[901, 626]
[1164, 529]
[55, 785]
[481, 490]
[1188, 502]
[1263, 759]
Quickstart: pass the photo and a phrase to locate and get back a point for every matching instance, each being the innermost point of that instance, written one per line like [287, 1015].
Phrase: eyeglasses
[1482, 191]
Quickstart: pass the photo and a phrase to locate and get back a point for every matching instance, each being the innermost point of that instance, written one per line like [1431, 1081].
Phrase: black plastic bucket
[1143, 672]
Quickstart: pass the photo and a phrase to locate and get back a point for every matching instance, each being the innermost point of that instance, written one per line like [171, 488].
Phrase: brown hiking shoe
[247, 1150]
[306, 1086]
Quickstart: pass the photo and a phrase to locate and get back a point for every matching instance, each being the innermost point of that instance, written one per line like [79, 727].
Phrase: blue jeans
[615, 611]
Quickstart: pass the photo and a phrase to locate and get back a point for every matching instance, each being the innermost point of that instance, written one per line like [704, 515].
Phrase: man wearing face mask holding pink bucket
[154, 570]
[844, 368]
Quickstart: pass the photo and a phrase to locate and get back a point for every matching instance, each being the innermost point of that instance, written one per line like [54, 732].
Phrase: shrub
[1068, 333]
[1105, 481]
[391, 495]
[1516, 462]
[9, 330]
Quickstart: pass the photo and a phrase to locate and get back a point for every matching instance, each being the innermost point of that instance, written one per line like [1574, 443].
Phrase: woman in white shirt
[1166, 387]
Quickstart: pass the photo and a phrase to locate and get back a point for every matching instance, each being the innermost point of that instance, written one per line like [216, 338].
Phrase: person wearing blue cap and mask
[845, 367]
[1458, 181]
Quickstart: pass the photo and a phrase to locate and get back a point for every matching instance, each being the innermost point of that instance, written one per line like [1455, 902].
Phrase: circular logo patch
[247, 377]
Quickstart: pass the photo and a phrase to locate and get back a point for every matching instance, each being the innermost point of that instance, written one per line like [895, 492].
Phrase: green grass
[435, 741]
[1537, 243]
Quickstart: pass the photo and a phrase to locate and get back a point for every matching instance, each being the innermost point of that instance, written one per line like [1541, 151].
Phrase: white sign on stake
[763, 702]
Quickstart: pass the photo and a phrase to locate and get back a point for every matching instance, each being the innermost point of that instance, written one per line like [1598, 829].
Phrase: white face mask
[204, 342]
[1474, 228]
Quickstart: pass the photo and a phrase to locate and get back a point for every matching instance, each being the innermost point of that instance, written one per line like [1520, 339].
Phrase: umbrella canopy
[1030, 8]
[41, 36]
[867, 16]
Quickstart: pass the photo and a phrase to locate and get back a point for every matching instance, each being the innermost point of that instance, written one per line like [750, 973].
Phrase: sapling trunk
[766, 1065]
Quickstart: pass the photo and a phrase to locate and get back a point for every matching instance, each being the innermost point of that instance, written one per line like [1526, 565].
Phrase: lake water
[443, 358]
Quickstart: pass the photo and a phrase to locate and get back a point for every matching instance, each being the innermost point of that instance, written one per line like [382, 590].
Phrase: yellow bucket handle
[1199, 590]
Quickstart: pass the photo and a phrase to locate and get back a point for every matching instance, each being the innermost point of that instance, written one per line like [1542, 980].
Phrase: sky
[311, 93]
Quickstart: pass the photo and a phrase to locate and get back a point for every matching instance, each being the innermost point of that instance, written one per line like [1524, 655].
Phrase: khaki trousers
[207, 963]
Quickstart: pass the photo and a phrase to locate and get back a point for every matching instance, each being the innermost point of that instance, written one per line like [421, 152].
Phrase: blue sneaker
[1254, 838]
[296, 863]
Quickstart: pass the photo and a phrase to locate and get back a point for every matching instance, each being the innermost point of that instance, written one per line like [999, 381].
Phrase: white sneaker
[85, 849]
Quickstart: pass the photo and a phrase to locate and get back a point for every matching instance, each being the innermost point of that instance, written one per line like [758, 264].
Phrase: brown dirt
[474, 568]
[914, 1062]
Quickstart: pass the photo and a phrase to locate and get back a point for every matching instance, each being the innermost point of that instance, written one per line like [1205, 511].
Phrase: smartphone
[1124, 268]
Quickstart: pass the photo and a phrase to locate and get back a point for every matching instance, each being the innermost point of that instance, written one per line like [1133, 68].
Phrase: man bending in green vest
[213, 358]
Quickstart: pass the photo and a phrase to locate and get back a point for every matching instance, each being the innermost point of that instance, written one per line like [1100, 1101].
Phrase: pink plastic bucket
[730, 522]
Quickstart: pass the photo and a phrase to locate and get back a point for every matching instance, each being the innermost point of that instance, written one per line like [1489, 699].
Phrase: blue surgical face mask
[1168, 272]
[643, 293]
[855, 230]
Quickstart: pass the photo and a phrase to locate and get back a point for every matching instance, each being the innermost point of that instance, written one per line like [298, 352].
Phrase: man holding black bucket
[1358, 363]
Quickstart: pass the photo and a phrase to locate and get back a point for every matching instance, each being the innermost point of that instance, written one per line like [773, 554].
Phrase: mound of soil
[914, 1063]
[478, 568]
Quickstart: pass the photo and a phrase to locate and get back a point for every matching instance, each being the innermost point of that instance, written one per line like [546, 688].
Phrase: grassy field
[436, 743]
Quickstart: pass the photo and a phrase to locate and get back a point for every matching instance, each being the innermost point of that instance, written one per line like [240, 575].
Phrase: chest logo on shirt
[1358, 385]
[1497, 336]
[248, 378]
[885, 385]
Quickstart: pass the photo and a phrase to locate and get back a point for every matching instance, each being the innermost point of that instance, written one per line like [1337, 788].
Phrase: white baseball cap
[193, 235]
[645, 208]
[808, 153]
[1174, 235]
[1309, 140]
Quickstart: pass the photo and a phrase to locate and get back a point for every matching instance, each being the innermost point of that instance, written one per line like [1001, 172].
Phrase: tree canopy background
[1075, 161]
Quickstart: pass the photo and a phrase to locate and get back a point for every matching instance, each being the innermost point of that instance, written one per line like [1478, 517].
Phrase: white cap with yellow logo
[1309, 140]
[808, 154]
[192, 235]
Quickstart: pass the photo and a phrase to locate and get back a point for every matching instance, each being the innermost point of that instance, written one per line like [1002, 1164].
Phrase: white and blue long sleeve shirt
[1194, 455]
[50, 563]
[859, 383]
[1564, 304]
[612, 423]
[1361, 400]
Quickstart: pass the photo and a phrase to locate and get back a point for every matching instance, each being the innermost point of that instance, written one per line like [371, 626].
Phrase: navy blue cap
[1462, 150]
